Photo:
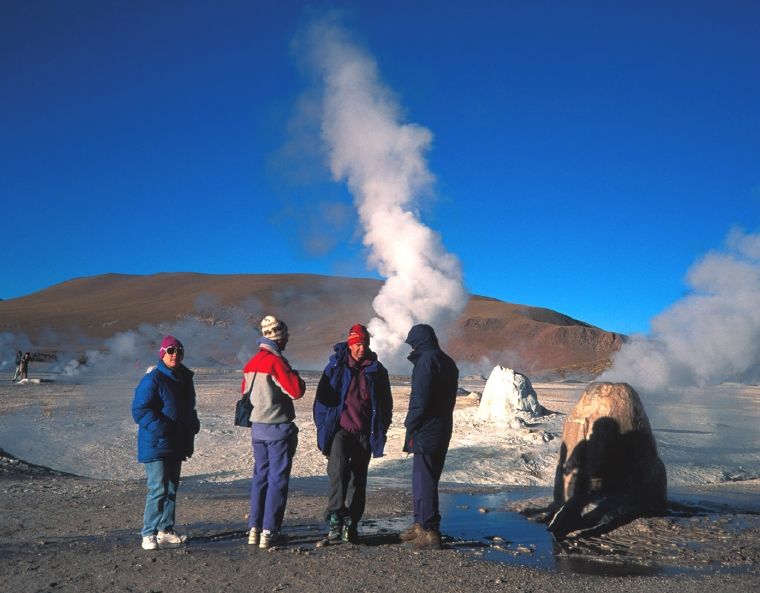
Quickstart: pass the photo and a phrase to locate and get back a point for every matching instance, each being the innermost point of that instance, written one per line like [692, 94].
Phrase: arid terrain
[78, 531]
[83, 313]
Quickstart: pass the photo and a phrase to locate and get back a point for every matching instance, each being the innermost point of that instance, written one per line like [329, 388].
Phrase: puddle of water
[480, 525]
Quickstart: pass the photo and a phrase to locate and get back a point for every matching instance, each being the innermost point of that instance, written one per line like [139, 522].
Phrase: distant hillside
[84, 311]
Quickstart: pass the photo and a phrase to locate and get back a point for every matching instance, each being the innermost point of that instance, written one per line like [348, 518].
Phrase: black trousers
[347, 469]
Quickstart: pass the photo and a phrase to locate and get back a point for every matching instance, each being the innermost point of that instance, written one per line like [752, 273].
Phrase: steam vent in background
[608, 471]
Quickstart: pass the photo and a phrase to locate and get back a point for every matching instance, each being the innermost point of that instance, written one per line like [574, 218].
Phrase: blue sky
[586, 153]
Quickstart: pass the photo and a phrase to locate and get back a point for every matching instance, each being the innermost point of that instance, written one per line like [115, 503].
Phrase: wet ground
[66, 533]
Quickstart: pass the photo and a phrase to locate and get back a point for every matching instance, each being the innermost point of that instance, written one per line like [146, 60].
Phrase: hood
[422, 336]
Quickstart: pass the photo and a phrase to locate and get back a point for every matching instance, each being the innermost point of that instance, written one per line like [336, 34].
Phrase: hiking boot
[429, 539]
[272, 539]
[149, 542]
[335, 523]
[170, 539]
[254, 535]
[411, 533]
[349, 533]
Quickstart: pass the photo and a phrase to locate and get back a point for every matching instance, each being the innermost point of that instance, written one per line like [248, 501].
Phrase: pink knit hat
[168, 342]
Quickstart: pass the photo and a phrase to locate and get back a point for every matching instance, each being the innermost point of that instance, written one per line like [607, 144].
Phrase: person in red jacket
[272, 385]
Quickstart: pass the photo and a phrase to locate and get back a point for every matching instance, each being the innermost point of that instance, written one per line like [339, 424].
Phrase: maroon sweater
[358, 405]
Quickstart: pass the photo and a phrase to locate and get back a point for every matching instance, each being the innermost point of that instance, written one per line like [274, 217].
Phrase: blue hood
[422, 336]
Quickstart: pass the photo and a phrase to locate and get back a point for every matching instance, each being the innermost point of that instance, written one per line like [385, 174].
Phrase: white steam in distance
[708, 337]
[383, 162]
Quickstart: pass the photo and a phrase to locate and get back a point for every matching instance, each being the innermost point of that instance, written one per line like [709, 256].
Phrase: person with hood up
[353, 408]
[272, 385]
[429, 424]
[164, 409]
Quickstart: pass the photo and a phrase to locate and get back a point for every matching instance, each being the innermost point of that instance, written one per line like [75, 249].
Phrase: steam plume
[710, 336]
[383, 162]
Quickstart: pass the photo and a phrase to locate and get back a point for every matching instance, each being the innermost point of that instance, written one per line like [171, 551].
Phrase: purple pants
[272, 461]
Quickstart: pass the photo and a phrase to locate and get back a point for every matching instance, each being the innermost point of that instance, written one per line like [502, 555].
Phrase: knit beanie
[168, 342]
[358, 334]
[273, 328]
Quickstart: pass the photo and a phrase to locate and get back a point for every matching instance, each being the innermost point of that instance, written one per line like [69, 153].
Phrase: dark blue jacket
[164, 408]
[331, 397]
[435, 378]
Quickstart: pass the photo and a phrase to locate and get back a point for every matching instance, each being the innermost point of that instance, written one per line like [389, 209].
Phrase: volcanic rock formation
[608, 471]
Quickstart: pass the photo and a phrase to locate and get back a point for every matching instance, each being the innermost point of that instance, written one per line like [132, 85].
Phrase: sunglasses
[172, 350]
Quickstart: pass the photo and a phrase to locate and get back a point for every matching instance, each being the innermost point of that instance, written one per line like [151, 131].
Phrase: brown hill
[81, 313]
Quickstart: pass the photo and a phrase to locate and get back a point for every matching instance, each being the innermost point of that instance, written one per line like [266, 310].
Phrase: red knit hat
[358, 334]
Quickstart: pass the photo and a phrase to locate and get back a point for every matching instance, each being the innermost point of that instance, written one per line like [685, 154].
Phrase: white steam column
[383, 162]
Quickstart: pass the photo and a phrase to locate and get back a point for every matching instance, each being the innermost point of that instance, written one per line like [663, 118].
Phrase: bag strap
[250, 390]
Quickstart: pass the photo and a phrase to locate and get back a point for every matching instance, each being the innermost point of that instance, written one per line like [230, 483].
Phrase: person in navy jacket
[429, 424]
[353, 408]
[164, 409]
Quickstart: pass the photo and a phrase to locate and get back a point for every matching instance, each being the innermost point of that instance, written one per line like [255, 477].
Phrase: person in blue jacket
[164, 409]
[353, 408]
[429, 424]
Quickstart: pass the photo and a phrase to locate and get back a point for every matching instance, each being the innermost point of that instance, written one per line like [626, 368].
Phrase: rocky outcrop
[608, 470]
[507, 391]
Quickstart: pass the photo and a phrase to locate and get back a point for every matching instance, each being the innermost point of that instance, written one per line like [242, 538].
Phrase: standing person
[164, 409]
[272, 386]
[19, 357]
[429, 423]
[25, 360]
[352, 411]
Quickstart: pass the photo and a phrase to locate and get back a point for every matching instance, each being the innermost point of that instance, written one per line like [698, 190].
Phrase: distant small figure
[25, 365]
[353, 409]
[19, 358]
[429, 424]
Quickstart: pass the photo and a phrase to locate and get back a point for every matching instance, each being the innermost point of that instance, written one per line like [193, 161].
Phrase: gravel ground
[66, 533]
[63, 532]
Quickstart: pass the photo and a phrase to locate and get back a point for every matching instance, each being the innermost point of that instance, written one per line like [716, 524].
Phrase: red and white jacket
[272, 385]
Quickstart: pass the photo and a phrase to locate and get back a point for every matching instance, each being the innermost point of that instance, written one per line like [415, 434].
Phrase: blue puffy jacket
[331, 397]
[164, 409]
[435, 378]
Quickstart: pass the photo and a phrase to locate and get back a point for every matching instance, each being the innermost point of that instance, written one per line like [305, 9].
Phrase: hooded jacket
[331, 397]
[164, 409]
[435, 378]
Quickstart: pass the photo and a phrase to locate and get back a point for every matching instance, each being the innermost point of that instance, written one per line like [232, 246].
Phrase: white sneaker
[149, 542]
[272, 539]
[170, 539]
[253, 536]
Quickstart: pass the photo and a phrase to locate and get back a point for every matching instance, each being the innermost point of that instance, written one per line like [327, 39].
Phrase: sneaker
[272, 539]
[336, 525]
[149, 542]
[254, 535]
[411, 533]
[170, 539]
[429, 539]
[349, 534]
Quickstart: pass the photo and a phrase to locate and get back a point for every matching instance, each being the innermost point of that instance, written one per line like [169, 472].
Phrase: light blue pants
[161, 500]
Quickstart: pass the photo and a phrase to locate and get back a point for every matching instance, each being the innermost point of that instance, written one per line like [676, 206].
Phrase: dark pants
[426, 472]
[272, 461]
[347, 469]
